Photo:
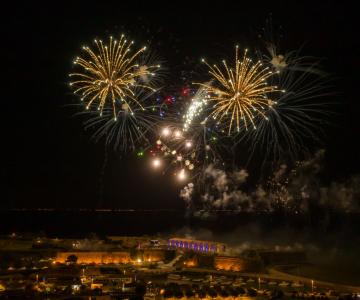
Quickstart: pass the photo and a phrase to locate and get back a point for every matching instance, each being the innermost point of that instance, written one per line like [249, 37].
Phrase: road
[277, 275]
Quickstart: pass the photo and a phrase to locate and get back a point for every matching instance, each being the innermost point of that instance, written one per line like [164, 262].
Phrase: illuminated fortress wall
[196, 245]
[97, 257]
[230, 263]
[102, 257]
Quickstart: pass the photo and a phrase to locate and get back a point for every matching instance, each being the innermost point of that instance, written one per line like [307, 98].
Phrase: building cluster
[111, 266]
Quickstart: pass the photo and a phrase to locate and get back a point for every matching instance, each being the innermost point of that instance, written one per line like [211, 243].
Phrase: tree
[251, 292]
[189, 293]
[153, 266]
[277, 294]
[140, 289]
[72, 259]
[169, 255]
[169, 292]
[240, 291]
[93, 236]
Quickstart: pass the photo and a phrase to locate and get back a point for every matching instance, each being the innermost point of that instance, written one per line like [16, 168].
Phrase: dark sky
[49, 161]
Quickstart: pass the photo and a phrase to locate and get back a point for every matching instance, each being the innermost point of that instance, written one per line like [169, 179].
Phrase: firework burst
[186, 146]
[297, 120]
[111, 76]
[240, 94]
[173, 147]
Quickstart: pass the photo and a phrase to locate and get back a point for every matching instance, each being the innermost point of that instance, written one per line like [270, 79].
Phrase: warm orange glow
[103, 257]
[95, 257]
[229, 263]
[153, 255]
[191, 263]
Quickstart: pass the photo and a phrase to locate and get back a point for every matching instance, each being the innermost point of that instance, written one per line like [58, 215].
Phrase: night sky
[48, 160]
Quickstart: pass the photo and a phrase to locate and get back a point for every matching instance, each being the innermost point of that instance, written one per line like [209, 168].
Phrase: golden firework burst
[110, 75]
[241, 93]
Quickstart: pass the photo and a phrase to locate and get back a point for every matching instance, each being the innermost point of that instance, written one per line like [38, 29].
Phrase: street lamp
[259, 282]
[312, 285]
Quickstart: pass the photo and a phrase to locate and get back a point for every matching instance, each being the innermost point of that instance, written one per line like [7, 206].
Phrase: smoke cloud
[296, 190]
